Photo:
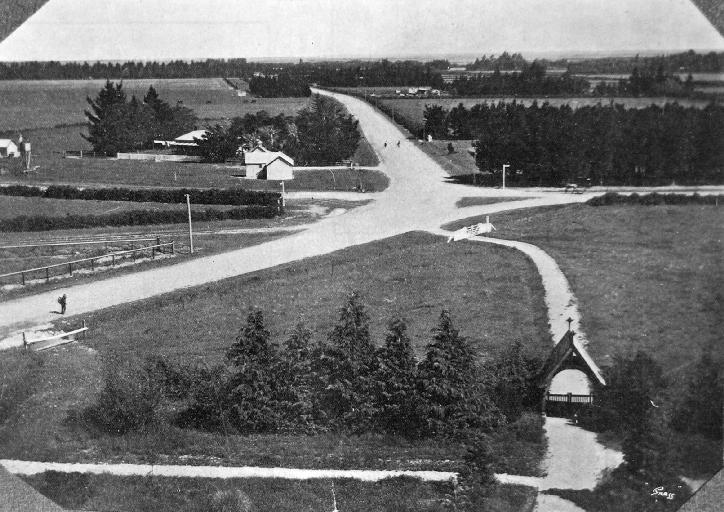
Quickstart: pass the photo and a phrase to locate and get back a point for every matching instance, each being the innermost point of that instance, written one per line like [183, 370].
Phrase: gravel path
[20, 467]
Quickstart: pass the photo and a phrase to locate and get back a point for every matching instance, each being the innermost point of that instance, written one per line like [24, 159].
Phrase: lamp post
[505, 166]
[191, 234]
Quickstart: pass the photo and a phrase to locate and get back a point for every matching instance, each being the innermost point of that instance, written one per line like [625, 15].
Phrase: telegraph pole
[191, 233]
[282, 184]
[505, 166]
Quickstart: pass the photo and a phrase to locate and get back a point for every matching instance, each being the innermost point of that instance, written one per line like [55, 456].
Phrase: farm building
[8, 149]
[185, 141]
[262, 164]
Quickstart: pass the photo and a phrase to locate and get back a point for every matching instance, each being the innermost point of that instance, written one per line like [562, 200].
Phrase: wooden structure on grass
[568, 354]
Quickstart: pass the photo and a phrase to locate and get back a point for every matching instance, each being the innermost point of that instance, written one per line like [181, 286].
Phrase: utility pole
[282, 184]
[191, 233]
[505, 166]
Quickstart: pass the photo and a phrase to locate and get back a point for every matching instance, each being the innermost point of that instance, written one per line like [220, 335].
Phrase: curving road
[417, 199]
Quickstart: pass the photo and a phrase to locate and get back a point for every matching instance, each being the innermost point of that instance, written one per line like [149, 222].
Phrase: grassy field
[97, 171]
[415, 275]
[30, 104]
[646, 277]
[104, 493]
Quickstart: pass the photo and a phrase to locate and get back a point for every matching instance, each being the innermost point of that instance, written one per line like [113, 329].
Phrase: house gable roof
[6, 143]
[266, 157]
[189, 137]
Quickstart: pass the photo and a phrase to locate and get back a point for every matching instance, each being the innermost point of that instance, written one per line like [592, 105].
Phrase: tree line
[279, 86]
[531, 80]
[117, 124]
[321, 134]
[601, 144]
[689, 61]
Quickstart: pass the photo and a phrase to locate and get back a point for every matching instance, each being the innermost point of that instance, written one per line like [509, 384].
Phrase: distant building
[8, 149]
[185, 143]
[262, 164]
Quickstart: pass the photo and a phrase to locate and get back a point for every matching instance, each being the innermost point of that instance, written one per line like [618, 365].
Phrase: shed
[268, 165]
[8, 149]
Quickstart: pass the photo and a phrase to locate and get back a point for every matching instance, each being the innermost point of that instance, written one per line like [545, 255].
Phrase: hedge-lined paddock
[134, 218]
[232, 196]
[613, 198]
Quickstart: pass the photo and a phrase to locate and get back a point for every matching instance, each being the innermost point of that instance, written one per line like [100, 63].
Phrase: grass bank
[646, 277]
[105, 492]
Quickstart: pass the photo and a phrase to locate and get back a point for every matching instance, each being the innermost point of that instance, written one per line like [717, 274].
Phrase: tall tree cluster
[608, 145]
[531, 80]
[321, 134]
[347, 383]
[279, 86]
[117, 124]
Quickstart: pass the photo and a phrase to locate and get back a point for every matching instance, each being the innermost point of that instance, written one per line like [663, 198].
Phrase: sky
[308, 29]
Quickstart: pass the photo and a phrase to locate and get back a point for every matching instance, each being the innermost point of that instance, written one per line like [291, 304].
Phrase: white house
[262, 164]
[8, 149]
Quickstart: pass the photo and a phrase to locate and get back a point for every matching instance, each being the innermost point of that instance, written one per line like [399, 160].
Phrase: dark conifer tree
[398, 401]
[253, 384]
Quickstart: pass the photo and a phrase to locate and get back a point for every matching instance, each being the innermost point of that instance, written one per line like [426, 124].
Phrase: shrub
[133, 218]
[231, 196]
[613, 198]
[127, 402]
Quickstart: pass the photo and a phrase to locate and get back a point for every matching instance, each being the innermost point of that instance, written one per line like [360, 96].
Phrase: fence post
[570, 398]
[153, 252]
[113, 260]
[22, 277]
[70, 269]
[173, 249]
[93, 266]
[84, 332]
[25, 342]
[47, 274]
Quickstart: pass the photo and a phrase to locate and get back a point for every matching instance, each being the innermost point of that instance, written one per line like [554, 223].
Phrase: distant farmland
[30, 104]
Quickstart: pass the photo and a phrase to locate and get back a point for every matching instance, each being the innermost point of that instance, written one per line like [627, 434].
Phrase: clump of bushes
[133, 218]
[614, 198]
[231, 196]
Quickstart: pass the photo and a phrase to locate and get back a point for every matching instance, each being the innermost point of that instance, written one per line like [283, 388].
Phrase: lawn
[30, 104]
[101, 171]
[494, 294]
[465, 202]
[646, 277]
[160, 494]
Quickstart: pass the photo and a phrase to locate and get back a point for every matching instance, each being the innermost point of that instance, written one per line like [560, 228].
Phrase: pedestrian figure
[385, 144]
[62, 301]
[398, 143]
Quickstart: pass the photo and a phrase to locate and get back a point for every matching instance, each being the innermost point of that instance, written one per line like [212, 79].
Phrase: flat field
[494, 294]
[104, 492]
[646, 277]
[110, 172]
[29, 104]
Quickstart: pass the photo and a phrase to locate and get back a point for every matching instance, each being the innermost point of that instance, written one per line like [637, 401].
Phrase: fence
[570, 398]
[157, 248]
[89, 242]
[53, 341]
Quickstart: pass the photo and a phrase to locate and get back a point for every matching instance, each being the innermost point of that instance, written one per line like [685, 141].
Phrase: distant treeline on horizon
[359, 72]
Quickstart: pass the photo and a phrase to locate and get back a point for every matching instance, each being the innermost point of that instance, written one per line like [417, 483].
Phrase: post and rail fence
[82, 242]
[159, 248]
[55, 340]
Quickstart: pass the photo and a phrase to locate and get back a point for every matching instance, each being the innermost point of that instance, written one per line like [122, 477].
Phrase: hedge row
[613, 198]
[233, 196]
[133, 218]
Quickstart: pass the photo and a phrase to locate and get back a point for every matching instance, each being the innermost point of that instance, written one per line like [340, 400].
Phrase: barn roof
[189, 137]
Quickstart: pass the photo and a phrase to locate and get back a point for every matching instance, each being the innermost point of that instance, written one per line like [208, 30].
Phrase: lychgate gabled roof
[568, 353]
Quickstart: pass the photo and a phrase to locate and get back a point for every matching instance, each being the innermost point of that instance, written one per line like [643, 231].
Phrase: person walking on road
[62, 300]
[398, 143]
